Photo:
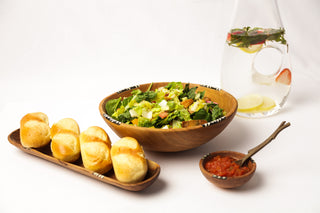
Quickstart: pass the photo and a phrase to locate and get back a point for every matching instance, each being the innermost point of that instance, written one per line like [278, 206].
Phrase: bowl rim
[204, 157]
[109, 119]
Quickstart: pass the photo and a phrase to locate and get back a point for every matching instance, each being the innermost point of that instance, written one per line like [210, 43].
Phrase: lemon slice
[255, 103]
[252, 48]
[249, 102]
[268, 103]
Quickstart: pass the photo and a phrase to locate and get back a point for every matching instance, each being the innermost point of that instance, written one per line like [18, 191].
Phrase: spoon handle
[254, 150]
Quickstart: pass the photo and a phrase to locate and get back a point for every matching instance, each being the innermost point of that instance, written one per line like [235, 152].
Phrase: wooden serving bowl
[173, 140]
[227, 182]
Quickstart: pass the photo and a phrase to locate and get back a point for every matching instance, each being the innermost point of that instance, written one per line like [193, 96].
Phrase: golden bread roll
[95, 148]
[128, 159]
[34, 130]
[65, 143]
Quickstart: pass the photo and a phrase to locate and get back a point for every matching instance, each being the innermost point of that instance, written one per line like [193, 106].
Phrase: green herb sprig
[244, 37]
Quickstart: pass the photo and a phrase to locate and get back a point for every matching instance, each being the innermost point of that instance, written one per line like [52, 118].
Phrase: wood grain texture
[174, 140]
[109, 178]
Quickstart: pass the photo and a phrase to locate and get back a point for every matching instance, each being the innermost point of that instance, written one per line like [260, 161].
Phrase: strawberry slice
[233, 33]
[284, 77]
[229, 37]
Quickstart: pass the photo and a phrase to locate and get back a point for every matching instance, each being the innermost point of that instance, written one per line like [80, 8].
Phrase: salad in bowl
[171, 106]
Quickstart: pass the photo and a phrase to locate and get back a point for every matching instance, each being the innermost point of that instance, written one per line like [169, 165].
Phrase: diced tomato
[284, 77]
[163, 115]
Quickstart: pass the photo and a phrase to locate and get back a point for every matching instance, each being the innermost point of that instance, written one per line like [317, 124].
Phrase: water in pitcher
[256, 70]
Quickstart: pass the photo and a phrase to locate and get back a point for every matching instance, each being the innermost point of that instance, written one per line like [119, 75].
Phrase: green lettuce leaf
[112, 105]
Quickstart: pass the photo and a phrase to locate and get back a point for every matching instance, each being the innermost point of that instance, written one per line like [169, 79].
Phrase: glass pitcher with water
[256, 67]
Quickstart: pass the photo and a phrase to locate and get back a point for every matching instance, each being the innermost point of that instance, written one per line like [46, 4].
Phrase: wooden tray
[109, 177]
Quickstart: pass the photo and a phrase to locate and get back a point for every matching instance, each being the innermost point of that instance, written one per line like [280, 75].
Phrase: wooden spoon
[256, 149]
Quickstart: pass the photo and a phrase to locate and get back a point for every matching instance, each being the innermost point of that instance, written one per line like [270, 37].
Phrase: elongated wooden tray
[109, 178]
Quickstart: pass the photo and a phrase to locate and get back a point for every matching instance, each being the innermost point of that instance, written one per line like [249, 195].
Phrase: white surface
[63, 57]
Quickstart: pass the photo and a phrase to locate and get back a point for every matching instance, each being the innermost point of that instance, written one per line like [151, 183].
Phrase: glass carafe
[256, 67]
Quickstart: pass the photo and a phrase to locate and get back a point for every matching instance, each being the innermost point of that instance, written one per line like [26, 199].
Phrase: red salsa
[225, 166]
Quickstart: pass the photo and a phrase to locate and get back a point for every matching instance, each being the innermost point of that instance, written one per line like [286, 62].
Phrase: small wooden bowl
[173, 140]
[227, 182]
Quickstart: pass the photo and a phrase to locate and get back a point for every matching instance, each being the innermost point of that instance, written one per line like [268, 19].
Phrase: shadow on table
[254, 184]
[158, 186]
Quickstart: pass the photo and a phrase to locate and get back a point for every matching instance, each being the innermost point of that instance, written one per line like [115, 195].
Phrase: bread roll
[128, 159]
[34, 130]
[65, 143]
[95, 150]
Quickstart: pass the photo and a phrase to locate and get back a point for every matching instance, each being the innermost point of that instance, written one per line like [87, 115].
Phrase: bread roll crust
[129, 162]
[65, 144]
[34, 130]
[65, 125]
[95, 150]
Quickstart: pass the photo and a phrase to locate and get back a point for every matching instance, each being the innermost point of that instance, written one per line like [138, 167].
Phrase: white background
[64, 57]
